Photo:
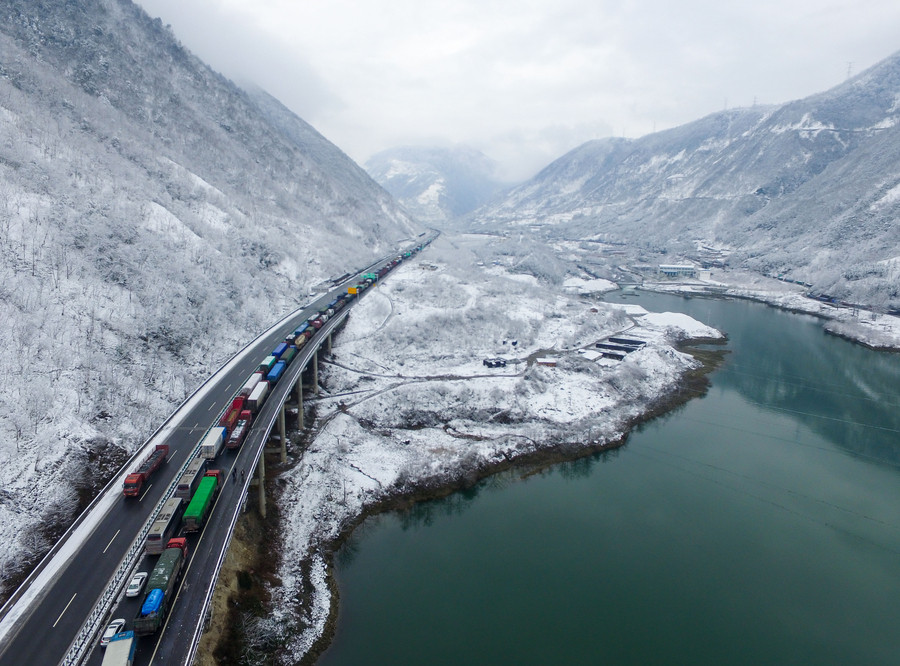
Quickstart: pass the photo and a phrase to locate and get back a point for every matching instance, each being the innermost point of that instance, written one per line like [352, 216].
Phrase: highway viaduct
[56, 616]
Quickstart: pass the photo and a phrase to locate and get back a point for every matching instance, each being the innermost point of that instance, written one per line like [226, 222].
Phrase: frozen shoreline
[409, 419]
[880, 332]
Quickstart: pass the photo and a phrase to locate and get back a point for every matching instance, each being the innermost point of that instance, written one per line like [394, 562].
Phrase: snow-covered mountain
[435, 184]
[810, 189]
[153, 218]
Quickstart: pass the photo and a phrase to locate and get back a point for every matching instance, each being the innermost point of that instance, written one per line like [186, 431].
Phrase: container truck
[267, 364]
[289, 355]
[279, 350]
[187, 484]
[250, 384]
[213, 442]
[134, 482]
[276, 372]
[120, 650]
[161, 586]
[258, 397]
[241, 428]
[202, 501]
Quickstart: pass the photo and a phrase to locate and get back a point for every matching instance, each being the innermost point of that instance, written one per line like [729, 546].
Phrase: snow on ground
[581, 286]
[876, 330]
[411, 406]
[690, 327]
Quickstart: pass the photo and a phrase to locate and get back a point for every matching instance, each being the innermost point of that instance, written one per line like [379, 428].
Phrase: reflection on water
[758, 524]
[787, 364]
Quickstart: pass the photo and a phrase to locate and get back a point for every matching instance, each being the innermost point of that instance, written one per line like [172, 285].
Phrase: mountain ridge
[436, 184]
[153, 218]
[809, 188]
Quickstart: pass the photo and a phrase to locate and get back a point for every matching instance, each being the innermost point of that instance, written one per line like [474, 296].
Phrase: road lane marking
[65, 609]
[184, 574]
[110, 541]
[145, 493]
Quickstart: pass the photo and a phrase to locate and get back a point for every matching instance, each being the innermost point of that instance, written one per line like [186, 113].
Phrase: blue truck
[276, 372]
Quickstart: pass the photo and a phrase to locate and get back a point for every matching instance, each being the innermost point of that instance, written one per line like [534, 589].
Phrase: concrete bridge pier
[299, 403]
[282, 431]
[261, 484]
[328, 343]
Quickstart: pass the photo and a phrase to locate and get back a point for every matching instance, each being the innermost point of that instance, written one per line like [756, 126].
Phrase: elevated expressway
[56, 616]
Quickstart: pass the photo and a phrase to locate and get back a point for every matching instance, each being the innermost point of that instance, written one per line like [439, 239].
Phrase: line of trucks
[198, 485]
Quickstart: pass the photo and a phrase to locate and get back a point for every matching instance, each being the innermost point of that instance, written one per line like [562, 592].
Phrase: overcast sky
[526, 80]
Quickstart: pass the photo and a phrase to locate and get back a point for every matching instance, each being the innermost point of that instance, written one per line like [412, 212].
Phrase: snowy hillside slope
[436, 185]
[408, 410]
[153, 218]
[810, 189]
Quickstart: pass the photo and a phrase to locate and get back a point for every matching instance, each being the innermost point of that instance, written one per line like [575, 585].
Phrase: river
[757, 524]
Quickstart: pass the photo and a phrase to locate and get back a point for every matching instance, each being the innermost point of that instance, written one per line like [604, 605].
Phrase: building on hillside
[677, 270]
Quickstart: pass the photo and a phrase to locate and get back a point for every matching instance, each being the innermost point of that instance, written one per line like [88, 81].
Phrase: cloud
[229, 41]
[521, 79]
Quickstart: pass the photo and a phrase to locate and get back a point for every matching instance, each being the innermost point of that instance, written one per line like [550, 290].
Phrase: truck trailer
[120, 651]
[213, 442]
[161, 586]
[258, 397]
[231, 416]
[134, 482]
[250, 384]
[202, 501]
[276, 372]
[241, 428]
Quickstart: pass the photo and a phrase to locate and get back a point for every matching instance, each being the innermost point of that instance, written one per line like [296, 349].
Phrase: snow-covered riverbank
[412, 408]
[872, 329]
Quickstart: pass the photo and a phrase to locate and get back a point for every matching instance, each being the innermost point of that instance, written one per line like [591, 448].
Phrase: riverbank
[871, 329]
[412, 413]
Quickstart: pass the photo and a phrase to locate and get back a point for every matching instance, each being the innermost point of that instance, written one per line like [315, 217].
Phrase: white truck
[213, 442]
[120, 651]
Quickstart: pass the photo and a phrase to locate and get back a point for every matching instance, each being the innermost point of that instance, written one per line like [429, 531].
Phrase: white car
[136, 584]
[114, 628]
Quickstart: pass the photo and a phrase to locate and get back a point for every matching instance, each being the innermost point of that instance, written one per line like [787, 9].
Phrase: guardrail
[89, 628]
[82, 641]
[214, 579]
[79, 520]
[210, 591]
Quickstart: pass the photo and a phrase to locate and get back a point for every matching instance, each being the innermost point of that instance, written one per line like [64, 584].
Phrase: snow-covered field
[411, 406]
[875, 330]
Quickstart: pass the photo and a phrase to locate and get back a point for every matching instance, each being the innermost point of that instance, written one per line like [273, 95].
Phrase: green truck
[202, 501]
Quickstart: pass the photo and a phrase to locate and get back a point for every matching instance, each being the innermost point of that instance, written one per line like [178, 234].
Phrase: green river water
[759, 524]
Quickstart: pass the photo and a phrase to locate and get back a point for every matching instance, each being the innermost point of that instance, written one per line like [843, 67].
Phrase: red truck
[241, 428]
[231, 417]
[134, 482]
